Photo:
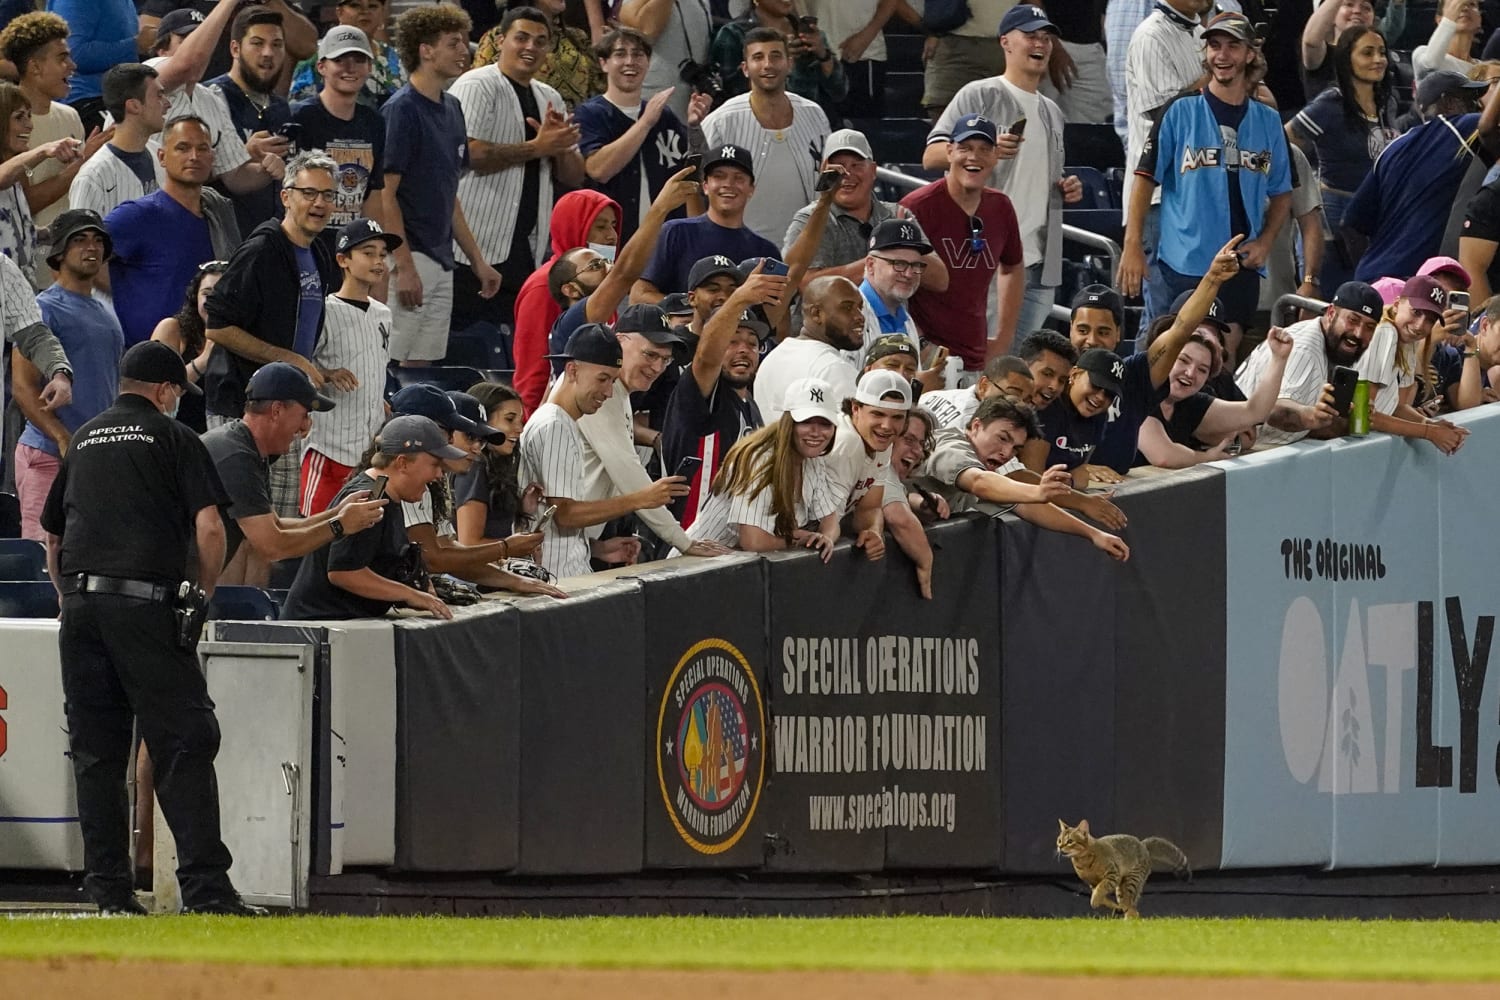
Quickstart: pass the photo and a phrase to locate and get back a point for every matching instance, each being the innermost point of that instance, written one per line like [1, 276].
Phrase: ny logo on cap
[196, 15]
[373, 226]
[729, 151]
[908, 232]
[1117, 369]
[723, 261]
[1038, 12]
[816, 395]
[1438, 295]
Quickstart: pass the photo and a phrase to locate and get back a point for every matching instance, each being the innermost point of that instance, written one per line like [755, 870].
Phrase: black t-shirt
[531, 184]
[128, 493]
[1482, 222]
[1223, 386]
[1078, 21]
[250, 210]
[1186, 416]
[706, 427]
[380, 548]
[357, 146]
[1072, 437]
[475, 485]
[1137, 399]
[246, 475]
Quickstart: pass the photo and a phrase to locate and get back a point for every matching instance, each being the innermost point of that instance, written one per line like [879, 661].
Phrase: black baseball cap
[733, 155]
[410, 434]
[280, 380]
[363, 231]
[1100, 297]
[752, 319]
[676, 304]
[1435, 85]
[647, 319]
[894, 233]
[1106, 370]
[153, 362]
[1359, 297]
[592, 344]
[1215, 314]
[70, 224]
[429, 401]
[473, 409]
[711, 267]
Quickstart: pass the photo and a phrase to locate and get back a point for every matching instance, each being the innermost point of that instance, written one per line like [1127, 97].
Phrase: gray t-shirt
[246, 475]
[952, 454]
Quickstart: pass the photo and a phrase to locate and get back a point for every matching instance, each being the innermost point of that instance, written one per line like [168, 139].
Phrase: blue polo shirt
[890, 322]
[90, 333]
[427, 144]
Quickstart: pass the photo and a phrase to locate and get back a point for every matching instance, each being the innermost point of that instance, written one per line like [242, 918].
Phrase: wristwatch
[337, 527]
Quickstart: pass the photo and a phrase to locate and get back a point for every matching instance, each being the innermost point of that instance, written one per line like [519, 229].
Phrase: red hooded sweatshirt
[572, 218]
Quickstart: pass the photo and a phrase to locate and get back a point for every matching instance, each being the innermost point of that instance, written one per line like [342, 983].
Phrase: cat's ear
[1062, 826]
[1083, 826]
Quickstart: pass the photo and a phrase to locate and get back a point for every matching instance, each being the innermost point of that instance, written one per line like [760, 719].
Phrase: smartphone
[688, 467]
[771, 265]
[378, 491]
[545, 517]
[807, 23]
[292, 130]
[828, 180]
[696, 162]
[1019, 127]
[1344, 379]
[1458, 300]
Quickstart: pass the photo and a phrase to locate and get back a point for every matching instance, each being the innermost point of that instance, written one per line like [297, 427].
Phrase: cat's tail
[1167, 856]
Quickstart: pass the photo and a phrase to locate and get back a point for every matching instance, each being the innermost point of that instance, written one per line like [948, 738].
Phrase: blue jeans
[1036, 305]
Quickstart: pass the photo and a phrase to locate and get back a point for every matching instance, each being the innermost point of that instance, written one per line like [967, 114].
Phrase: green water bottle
[1359, 410]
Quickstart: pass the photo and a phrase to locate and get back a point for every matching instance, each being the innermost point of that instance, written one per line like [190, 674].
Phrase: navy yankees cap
[360, 231]
[675, 304]
[895, 233]
[1215, 314]
[153, 362]
[429, 401]
[1100, 297]
[1106, 370]
[731, 154]
[473, 409]
[1026, 17]
[712, 267]
[974, 127]
[649, 321]
[592, 344]
[280, 380]
[1359, 297]
[177, 22]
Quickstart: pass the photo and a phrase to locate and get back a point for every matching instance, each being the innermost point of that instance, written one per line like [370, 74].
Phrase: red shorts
[322, 478]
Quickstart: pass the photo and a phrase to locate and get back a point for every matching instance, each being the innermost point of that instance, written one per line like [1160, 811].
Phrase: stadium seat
[10, 516]
[1096, 193]
[1103, 221]
[242, 604]
[1096, 146]
[506, 375]
[22, 559]
[445, 377]
[28, 599]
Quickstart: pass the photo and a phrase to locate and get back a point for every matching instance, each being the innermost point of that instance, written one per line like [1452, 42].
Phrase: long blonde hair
[766, 459]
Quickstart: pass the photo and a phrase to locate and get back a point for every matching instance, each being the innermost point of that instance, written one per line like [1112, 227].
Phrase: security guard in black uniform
[135, 490]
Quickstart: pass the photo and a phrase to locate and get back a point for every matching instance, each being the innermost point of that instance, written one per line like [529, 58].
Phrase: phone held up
[378, 491]
[688, 467]
[1344, 381]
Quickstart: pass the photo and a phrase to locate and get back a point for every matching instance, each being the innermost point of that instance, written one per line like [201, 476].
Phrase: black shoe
[122, 906]
[229, 906]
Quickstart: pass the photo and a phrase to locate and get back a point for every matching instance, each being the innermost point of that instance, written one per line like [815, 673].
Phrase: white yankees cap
[810, 399]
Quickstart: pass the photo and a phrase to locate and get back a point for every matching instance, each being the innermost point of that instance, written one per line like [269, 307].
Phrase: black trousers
[120, 659]
[469, 308]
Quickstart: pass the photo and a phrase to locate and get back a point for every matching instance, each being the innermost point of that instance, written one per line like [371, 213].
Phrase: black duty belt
[140, 590]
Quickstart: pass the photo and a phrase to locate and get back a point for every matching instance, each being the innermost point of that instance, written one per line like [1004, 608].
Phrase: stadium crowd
[721, 336]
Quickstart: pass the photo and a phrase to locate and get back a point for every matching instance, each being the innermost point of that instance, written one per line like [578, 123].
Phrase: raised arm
[1164, 349]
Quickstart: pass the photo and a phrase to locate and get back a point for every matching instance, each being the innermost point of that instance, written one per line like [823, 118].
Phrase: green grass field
[1444, 950]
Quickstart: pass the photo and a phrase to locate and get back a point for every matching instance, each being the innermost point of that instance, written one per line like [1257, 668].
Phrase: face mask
[605, 250]
[176, 405]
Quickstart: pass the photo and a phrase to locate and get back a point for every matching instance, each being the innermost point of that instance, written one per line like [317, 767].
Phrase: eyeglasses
[316, 194]
[903, 266]
[656, 359]
[976, 234]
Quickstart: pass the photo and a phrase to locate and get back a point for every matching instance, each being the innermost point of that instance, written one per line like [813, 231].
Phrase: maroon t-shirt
[956, 318]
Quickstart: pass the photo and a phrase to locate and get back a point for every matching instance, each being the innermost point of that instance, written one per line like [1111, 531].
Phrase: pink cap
[1437, 265]
[1389, 289]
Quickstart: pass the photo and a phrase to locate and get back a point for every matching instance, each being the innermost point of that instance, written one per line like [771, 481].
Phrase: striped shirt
[552, 454]
[1121, 18]
[208, 104]
[18, 308]
[492, 112]
[720, 518]
[786, 160]
[1165, 58]
[1306, 374]
[105, 182]
[353, 338]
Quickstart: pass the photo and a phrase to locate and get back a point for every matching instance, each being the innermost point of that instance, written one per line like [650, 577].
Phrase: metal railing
[1073, 233]
[1291, 300]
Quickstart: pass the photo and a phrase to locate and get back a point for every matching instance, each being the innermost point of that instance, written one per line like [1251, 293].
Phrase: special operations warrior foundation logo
[710, 746]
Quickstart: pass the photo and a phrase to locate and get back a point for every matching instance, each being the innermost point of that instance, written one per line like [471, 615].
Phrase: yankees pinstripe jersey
[852, 470]
[1306, 374]
[720, 518]
[18, 308]
[105, 182]
[1165, 58]
[492, 112]
[786, 160]
[354, 338]
[552, 454]
[207, 103]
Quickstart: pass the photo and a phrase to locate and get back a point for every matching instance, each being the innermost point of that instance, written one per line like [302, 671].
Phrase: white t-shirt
[951, 407]
[780, 187]
[801, 357]
[720, 518]
[842, 19]
[552, 454]
[1030, 190]
[1383, 364]
[853, 471]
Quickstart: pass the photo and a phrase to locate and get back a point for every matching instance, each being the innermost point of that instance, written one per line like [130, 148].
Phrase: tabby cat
[1118, 864]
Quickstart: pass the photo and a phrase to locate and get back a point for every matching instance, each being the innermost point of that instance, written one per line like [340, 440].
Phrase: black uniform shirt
[246, 476]
[128, 493]
[380, 548]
